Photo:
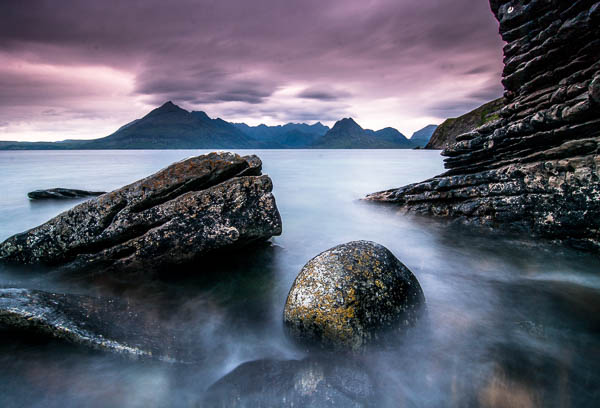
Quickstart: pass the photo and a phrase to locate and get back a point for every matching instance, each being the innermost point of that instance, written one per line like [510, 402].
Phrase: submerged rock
[293, 383]
[535, 168]
[104, 324]
[62, 193]
[206, 203]
[351, 295]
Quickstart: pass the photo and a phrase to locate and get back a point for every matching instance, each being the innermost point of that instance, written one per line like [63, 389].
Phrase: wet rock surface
[310, 382]
[352, 295]
[61, 193]
[98, 323]
[536, 168]
[193, 207]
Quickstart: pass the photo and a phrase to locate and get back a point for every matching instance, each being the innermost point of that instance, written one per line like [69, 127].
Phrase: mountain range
[347, 134]
[171, 127]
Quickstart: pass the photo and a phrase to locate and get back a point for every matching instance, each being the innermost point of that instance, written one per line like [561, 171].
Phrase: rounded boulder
[352, 295]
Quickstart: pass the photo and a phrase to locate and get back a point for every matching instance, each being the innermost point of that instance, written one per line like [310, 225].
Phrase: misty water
[511, 321]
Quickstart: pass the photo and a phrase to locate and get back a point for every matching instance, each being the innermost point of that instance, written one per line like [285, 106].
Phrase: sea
[512, 321]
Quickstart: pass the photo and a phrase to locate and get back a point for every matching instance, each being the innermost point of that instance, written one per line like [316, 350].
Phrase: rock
[535, 169]
[213, 202]
[103, 324]
[594, 90]
[352, 295]
[61, 193]
[292, 383]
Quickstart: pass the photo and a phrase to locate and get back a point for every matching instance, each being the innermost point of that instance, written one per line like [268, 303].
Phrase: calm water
[512, 322]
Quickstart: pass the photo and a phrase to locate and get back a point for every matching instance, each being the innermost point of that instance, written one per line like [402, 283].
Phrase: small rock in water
[352, 295]
[61, 193]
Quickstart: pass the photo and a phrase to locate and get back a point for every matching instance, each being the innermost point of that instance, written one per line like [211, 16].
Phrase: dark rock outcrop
[294, 383]
[445, 134]
[193, 207]
[349, 295]
[62, 193]
[103, 324]
[536, 168]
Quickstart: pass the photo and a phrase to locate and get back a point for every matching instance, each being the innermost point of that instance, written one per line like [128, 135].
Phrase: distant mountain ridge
[291, 135]
[421, 137]
[171, 127]
[347, 134]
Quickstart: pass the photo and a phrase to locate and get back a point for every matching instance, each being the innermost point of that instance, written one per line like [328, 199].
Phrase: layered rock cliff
[536, 168]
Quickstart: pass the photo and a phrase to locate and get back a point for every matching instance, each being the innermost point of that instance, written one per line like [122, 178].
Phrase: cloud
[340, 56]
[323, 93]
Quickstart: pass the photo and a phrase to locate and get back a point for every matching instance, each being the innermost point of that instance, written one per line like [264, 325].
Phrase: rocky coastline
[536, 168]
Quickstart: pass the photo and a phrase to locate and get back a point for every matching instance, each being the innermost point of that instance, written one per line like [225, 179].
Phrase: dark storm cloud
[219, 52]
[202, 87]
[323, 93]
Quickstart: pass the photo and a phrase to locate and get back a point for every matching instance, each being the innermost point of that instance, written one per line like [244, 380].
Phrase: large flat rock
[219, 201]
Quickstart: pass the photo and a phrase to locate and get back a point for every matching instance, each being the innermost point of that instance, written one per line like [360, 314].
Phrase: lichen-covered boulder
[352, 295]
[218, 201]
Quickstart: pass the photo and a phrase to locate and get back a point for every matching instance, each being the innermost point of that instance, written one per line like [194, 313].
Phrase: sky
[76, 69]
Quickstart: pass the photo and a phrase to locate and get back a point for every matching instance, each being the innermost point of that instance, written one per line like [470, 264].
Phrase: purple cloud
[386, 62]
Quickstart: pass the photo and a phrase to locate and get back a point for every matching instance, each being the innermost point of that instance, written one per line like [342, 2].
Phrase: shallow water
[511, 322]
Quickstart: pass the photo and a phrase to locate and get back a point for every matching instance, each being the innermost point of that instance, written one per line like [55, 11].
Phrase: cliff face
[536, 168]
[446, 133]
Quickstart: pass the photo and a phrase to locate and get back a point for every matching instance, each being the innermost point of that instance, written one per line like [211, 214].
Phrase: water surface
[511, 321]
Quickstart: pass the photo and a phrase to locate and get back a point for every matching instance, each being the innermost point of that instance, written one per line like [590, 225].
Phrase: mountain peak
[169, 107]
[347, 123]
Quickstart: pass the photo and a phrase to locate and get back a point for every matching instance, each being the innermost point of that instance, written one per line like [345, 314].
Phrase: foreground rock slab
[62, 193]
[352, 295]
[293, 383]
[537, 167]
[103, 324]
[213, 202]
